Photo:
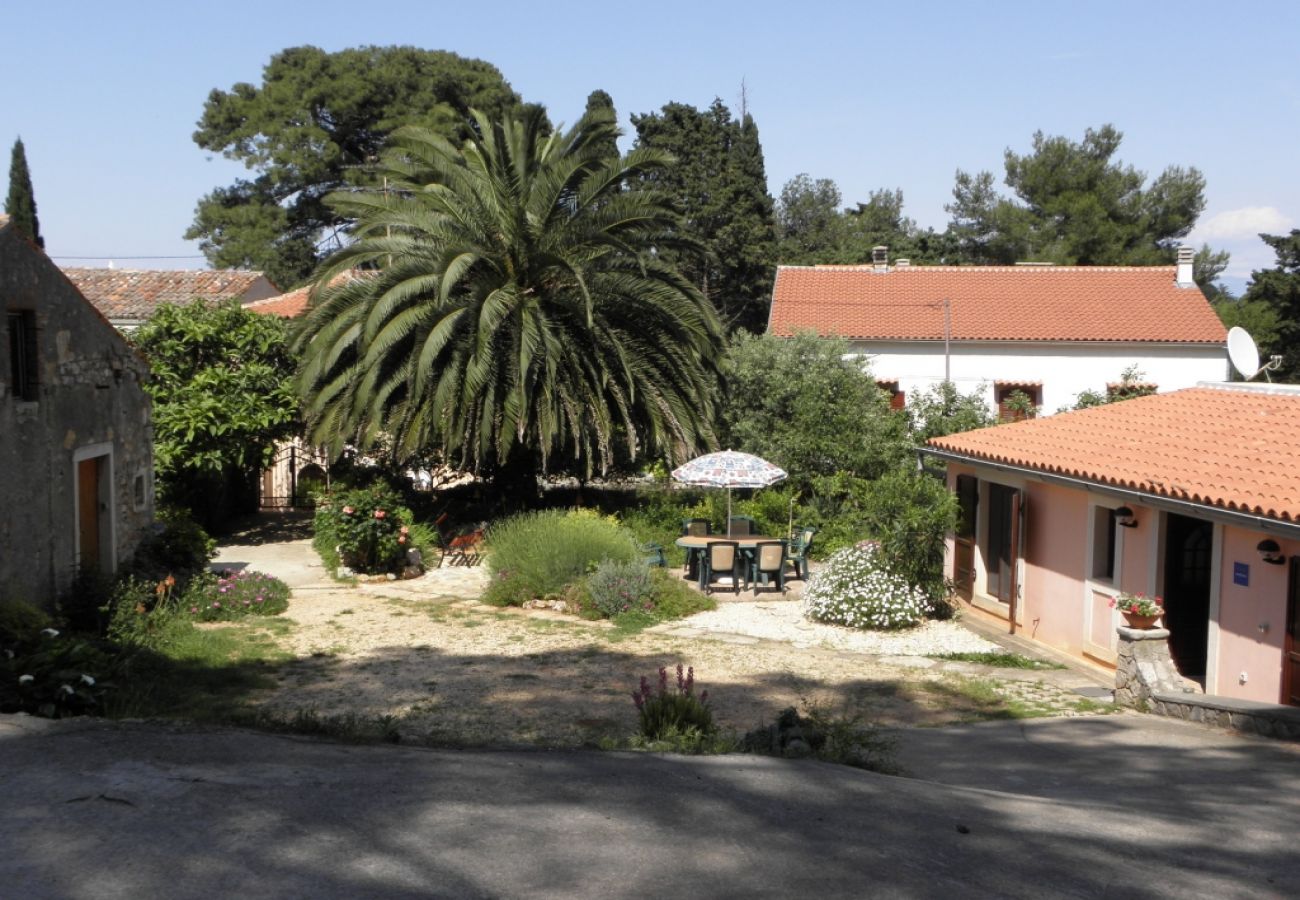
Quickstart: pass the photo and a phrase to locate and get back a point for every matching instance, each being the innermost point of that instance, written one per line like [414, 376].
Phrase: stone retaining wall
[1146, 678]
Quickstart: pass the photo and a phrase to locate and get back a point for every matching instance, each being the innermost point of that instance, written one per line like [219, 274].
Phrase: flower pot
[1139, 621]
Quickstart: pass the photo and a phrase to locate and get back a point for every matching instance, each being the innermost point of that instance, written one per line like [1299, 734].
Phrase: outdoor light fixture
[1124, 516]
[1270, 552]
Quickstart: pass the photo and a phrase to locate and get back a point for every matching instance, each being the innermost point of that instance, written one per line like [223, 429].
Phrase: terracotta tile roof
[1234, 447]
[132, 295]
[296, 302]
[290, 305]
[994, 303]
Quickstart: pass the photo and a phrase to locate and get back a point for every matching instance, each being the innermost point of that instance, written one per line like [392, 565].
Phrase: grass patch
[349, 727]
[200, 673]
[998, 659]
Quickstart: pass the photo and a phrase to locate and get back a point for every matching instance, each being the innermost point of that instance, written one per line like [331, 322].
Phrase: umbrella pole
[728, 510]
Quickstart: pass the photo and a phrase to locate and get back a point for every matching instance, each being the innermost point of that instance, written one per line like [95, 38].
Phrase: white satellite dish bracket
[1244, 355]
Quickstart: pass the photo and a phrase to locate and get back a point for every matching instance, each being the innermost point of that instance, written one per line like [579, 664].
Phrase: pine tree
[20, 205]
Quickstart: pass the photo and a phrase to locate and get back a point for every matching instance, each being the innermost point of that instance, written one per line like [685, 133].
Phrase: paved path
[1114, 807]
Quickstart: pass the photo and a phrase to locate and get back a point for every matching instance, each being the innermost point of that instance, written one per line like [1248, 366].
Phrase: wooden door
[1291, 647]
[1003, 534]
[88, 513]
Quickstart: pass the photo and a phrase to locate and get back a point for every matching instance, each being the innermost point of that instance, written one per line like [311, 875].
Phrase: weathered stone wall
[89, 394]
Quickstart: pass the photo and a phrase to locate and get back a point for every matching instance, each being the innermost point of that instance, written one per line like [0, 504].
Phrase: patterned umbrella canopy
[728, 469]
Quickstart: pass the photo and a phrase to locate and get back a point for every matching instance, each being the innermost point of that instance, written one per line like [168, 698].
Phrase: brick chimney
[880, 258]
[1184, 277]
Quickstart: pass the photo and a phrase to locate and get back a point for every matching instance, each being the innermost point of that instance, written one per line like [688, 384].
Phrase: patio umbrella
[729, 469]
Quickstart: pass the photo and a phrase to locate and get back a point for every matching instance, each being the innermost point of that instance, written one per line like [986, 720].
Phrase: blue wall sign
[1241, 574]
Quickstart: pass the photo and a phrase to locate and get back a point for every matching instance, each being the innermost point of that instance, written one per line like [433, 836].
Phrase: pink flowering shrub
[233, 595]
[369, 526]
[666, 714]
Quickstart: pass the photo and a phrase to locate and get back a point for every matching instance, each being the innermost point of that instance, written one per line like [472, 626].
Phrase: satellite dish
[1242, 352]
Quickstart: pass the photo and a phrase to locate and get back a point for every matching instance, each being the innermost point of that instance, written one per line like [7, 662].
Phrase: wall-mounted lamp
[1124, 516]
[1270, 552]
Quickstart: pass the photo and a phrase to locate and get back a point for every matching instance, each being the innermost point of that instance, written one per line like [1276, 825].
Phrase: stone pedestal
[1145, 668]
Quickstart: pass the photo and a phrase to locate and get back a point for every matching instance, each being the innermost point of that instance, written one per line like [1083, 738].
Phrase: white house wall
[1064, 369]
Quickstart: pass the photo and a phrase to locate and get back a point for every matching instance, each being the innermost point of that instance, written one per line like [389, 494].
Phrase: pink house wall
[1055, 556]
[1243, 646]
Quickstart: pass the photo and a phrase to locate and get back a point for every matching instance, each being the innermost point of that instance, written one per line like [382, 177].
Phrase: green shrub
[20, 621]
[909, 514]
[144, 615]
[857, 589]
[537, 554]
[234, 595]
[178, 547]
[86, 605]
[674, 598]
[54, 675]
[369, 526]
[618, 587]
[666, 714]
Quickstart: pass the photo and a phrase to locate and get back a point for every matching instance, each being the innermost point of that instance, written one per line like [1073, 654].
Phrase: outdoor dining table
[696, 545]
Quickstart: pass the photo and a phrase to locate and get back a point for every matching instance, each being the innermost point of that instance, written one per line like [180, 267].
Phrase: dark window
[22, 354]
[1017, 401]
[968, 487]
[1103, 543]
[897, 398]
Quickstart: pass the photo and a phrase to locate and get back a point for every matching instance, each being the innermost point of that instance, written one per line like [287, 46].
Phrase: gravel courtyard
[453, 671]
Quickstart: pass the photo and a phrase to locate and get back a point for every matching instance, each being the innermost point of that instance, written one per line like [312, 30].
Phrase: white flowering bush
[856, 589]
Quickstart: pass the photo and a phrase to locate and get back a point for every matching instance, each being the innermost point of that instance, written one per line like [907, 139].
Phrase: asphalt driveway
[1089, 807]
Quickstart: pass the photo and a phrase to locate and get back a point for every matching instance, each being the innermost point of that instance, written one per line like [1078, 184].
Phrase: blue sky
[872, 95]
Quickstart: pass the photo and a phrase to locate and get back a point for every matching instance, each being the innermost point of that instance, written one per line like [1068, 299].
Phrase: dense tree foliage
[943, 409]
[812, 227]
[521, 315]
[222, 389]
[1277, 290]
[1072, 203]
[318, 121]
[798, 403]
[20, 204]
[720, 186]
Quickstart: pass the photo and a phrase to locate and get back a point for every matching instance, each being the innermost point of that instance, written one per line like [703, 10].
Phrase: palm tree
[515, 309]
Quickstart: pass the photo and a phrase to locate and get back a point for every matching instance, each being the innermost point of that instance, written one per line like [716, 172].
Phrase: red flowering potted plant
[1139, 610]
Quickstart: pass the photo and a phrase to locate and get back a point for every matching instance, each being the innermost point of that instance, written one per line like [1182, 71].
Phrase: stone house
[1048, 331]
[1192, 496]
[76, 438]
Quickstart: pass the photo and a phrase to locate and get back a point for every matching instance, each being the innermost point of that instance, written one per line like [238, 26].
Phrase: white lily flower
[50, 632]
[87, 679]
[23, 679]
[68, 689]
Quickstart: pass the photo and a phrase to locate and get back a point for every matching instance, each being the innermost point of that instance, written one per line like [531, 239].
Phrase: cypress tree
[20, 205]
[600, 107]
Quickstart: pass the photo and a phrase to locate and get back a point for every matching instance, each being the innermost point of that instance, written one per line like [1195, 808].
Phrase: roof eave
[1253, 521]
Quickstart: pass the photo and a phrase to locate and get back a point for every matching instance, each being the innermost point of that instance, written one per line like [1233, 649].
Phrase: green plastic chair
[722, 559]
[800, 544]
[768, 561]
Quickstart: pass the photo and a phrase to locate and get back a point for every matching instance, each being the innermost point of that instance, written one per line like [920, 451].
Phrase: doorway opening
[1187, 565]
